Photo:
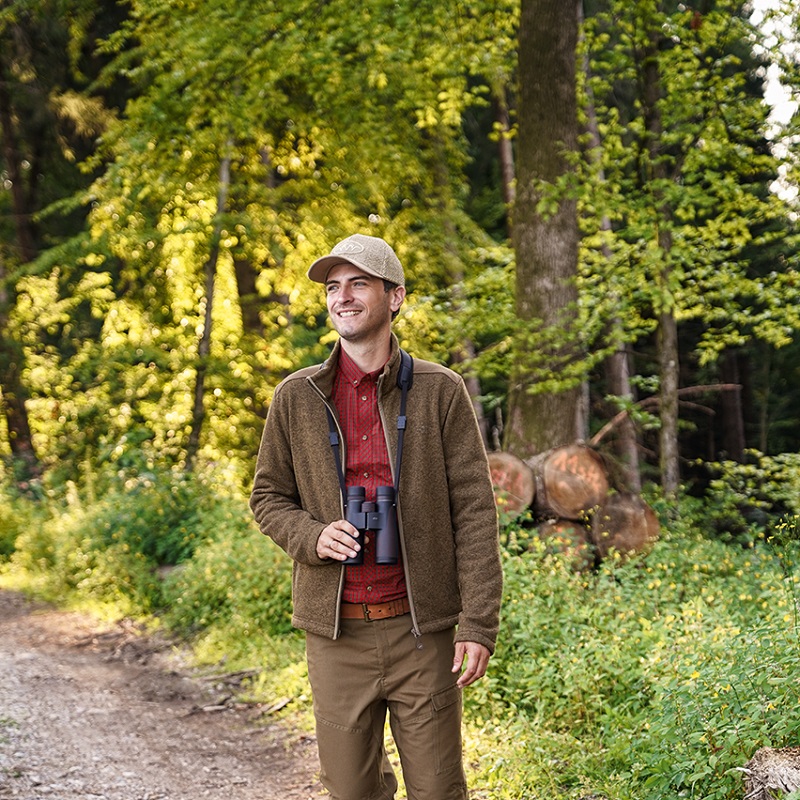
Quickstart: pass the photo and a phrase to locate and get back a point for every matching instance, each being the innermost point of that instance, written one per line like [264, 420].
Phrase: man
[405, 637]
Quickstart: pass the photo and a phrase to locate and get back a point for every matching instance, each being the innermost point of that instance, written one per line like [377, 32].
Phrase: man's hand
[337, 541]
[477, 658]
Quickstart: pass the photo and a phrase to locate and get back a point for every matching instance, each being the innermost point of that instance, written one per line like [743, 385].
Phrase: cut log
[772, 773]
[569, 537]
[513, 482]
[570, 481]
[625, 523]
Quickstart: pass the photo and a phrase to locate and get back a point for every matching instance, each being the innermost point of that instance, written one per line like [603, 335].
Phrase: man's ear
[398, 294]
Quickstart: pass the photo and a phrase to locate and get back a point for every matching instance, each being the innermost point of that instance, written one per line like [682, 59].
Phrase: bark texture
[546, 243]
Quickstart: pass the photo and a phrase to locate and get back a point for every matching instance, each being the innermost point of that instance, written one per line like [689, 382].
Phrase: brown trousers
[372, 668]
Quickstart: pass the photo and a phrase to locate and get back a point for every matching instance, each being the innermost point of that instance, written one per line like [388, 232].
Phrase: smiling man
[373, 477]
[358, 304]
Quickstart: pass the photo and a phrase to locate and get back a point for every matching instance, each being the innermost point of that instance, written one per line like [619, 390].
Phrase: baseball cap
[368, 253]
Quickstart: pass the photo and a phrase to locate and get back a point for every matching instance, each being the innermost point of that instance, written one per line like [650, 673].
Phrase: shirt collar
[352, 373]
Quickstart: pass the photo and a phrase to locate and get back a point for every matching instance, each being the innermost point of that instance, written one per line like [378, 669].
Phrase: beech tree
[685, 169]
[544, 414]
[46, 126]
[327, 131]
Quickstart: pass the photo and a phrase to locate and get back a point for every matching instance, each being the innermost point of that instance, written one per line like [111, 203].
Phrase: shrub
[650, 678]
[742, 499]
[18, 515]
[240, 578]
[163, 516]
[111, 549]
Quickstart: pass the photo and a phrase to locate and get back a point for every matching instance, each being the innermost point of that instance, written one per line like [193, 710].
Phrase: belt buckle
[365, 607]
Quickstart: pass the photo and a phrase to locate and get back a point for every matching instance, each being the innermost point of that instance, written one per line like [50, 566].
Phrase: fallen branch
[655, 401]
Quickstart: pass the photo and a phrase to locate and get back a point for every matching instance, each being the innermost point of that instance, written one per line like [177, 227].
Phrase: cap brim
[319, 270]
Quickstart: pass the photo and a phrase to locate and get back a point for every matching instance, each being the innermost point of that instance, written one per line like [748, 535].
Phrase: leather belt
[372, 611]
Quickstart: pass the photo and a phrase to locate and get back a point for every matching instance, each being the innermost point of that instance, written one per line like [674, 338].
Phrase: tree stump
[772, 773]
[570, 481]
[625, 523]
[569, 537]
[513, 482]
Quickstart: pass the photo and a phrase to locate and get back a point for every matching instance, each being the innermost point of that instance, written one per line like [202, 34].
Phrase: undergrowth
[648, 678]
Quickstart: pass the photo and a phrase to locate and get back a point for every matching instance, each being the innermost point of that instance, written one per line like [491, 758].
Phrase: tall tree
[686, 172]
[542, 415]
[45, 126]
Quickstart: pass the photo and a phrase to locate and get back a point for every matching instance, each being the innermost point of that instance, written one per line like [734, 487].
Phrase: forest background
[597, 215]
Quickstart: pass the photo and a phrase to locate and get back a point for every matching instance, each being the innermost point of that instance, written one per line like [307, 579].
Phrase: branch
[655, 401]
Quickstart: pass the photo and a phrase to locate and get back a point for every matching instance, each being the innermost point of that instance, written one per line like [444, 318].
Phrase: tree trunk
[505, 150]
[571, 539]
[733, 440]
[249, 301]
[546, 245]
[513, 481]
[668, 360]
[625, 445]
[668, 435]
[12, 356]
[12, 161]
[617, 366]
[204, 345]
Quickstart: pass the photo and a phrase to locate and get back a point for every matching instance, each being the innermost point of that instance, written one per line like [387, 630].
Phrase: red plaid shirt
[355, 395]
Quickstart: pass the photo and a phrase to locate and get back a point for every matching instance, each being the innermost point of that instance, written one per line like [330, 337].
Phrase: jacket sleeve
[475, 525]
[275, 499]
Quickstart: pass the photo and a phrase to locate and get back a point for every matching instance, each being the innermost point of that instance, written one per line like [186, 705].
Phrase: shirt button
[363, 397]
[369, 588]
[366, 474]
[364, 438]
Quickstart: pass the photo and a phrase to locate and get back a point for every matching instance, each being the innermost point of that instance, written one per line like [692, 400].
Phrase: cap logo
[347, 248]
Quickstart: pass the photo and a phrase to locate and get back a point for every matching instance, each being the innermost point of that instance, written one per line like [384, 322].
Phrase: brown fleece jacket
[447, 517]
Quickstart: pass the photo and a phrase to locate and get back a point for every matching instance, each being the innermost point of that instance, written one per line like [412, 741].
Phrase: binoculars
[379, 517]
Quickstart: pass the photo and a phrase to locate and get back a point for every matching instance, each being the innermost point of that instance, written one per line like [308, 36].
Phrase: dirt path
[87, 712]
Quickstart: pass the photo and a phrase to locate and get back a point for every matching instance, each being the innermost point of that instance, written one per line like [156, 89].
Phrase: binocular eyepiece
[379, 517]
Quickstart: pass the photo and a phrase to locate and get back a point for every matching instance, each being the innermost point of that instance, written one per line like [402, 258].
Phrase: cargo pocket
[447, 724]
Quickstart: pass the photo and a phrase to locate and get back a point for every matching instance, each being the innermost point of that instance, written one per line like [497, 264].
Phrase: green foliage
[239, 581]
[356, 122]
[163, 516]
[700, 187]
[112, 548]
[18, 515]
[371, 119]
[647, 679]
[742, 498]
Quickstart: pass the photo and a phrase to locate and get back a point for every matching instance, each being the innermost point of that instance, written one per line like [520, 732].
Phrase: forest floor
[95, 712]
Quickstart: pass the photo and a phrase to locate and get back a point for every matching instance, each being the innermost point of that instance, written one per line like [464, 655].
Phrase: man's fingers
[477, 657]
[337, 542]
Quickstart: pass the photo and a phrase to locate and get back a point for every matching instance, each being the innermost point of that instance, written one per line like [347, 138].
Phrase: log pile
[514, 487]
[575, 506]
[569, 537]
[772, 773]
[625, 523]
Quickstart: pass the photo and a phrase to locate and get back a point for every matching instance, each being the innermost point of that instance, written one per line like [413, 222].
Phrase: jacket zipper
[337, 625]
